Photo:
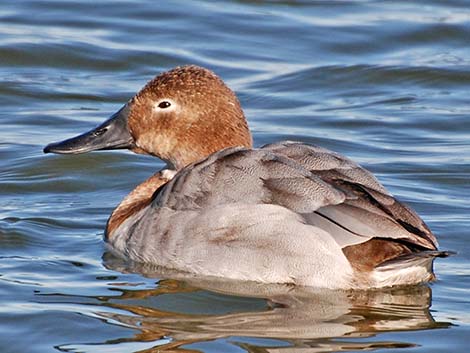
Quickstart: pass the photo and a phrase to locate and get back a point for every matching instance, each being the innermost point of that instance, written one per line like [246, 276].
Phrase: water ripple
[384, 83]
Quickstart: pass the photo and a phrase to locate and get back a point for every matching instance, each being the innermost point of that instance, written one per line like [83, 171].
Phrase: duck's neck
[140, 197]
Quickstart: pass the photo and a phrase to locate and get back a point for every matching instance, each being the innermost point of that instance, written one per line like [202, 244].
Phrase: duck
[287, 212]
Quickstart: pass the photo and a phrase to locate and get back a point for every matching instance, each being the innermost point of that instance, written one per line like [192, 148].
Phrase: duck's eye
[164, 104]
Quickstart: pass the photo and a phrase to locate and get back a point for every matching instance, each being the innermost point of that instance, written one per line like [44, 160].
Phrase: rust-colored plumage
[140, 197]
[205, 110]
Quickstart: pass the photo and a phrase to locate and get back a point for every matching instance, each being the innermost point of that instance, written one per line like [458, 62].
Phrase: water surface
[386, 83]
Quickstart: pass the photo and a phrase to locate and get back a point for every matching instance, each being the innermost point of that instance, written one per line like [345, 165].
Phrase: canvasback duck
[287, 212]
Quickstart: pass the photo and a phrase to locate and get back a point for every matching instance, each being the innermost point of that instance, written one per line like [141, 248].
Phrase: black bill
[112, 134]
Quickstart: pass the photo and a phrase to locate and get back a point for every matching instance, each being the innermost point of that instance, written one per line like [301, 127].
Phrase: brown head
[180, 116]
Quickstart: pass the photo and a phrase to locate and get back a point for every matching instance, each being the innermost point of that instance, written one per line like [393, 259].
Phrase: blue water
[385, 83]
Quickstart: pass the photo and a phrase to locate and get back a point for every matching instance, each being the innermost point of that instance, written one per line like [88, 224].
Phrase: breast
[137, 200]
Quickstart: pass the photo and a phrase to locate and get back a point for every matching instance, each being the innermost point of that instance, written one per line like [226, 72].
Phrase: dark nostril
[100, 132]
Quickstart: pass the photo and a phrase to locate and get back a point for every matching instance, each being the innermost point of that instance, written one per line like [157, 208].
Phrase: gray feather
[327, 189]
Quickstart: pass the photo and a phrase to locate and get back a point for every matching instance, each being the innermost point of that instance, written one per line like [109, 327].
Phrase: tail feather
[411, 268]
[412, 259]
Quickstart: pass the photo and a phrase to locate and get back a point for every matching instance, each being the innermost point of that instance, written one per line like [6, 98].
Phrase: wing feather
[327, 189]
[369, 210]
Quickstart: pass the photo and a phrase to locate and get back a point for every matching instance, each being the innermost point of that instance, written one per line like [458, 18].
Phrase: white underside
[406, 274]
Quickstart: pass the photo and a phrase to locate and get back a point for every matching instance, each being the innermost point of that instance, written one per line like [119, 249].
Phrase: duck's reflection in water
[304, 319]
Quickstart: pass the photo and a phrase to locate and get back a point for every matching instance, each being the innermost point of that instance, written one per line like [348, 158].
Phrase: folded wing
[325, 188]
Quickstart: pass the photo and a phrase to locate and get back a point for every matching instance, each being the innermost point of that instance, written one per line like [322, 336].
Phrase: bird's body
[287, 212]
